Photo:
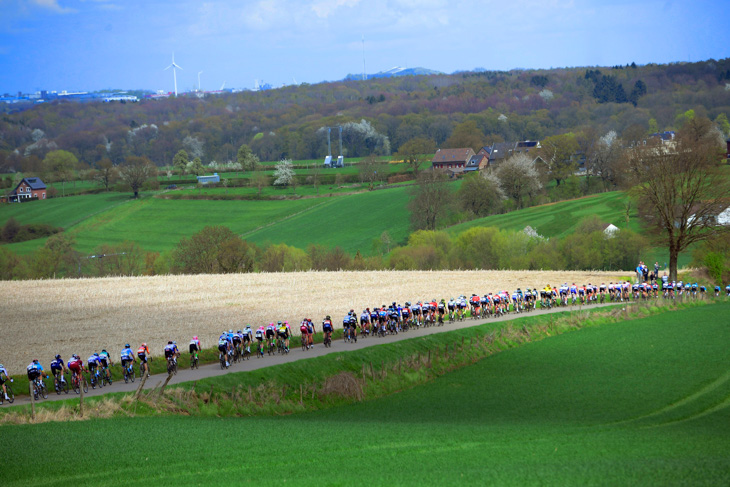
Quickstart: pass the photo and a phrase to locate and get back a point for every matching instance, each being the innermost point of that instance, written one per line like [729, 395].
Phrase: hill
[394, 72]
[643, 402]
[376, 115]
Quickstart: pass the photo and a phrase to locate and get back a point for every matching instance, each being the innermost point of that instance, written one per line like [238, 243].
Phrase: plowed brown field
[42, 318]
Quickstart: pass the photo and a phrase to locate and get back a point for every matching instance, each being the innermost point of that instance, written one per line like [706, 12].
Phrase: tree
[431, 197]
[181, 161]
[61, 163]
[606, 159]
[196, 166]
[106, 174]
[214, 249]
[415, 152]
[466, 134]
[681, 189]
[557, 151]
[284, 173]
[372, 169]
[259, 180]
[518, 178]
[135, 172]
[480, 194]
[247, 159]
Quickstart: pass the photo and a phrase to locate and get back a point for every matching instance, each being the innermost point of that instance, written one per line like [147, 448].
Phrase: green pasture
[351, 222]
[642, 402]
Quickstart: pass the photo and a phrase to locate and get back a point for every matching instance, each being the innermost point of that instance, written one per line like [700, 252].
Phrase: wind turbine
[174, 72]
[199, 73]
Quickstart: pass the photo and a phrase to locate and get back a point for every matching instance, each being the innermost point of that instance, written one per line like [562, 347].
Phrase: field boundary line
[276, 222]
[81, 220]
[684, 401]
[712, 409]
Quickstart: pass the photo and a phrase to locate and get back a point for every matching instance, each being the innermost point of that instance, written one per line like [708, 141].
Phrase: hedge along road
[184, 373]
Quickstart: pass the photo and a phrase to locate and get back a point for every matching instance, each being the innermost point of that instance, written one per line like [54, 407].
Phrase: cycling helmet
[1, 366]
[230, 331]
[58, 357]
[144, 344]
[169, 342]
[328, 317]
[279, 323]
[126, 345]
[35, 360]
[239, 331]
[96, 354]
[174, 342]
[103, 350]
[195, 338]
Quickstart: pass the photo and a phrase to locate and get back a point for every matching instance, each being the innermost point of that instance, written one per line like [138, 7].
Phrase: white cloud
[52, 5]
[325, 8]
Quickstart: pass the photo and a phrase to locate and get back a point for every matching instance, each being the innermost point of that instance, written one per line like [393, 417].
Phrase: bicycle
[106, 376]
[305, 342]
[327, 340]
[77, 384]
[260, 350]
[128, 372]
[247, 352]
[9, 392]
[60, 385]
[193, 361]
[224, 363]
[171, 366]
[95, 379]
[39, 389]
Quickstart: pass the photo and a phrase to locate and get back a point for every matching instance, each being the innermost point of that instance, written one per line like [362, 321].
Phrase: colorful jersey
[94, 360]
[57, 364]
[143, 350]
[127, 354]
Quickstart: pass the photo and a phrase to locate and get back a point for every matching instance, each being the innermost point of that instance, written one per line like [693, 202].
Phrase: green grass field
[159, 224]
[562, 218]
[642, 402]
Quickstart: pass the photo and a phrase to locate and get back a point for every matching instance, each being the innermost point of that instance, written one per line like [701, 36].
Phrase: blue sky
[98, 44]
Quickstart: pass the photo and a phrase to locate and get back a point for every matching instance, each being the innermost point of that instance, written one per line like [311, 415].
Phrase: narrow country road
[296, 353]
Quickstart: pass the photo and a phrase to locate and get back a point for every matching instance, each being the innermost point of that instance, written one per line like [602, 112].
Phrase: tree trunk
[673, 257]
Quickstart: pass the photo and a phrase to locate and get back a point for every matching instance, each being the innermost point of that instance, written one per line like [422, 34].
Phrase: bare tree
[415, 152]
[518, 177]
[107, 173]
[430, 199]
[681, 188]
[259, 180]
[135, 172]
[606, 159]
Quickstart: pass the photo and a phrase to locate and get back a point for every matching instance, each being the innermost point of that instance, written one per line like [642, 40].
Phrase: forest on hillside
[377, 116]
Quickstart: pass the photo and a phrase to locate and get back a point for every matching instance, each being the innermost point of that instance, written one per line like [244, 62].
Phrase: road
[211, 370]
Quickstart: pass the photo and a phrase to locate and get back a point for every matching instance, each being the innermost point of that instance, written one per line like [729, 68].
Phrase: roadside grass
[563, 411]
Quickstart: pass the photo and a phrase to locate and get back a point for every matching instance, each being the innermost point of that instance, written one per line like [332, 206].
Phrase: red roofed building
[452, 159]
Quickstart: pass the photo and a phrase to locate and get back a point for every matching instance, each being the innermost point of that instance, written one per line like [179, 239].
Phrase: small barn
[209, 179]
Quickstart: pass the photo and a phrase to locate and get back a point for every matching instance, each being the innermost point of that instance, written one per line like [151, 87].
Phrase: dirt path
[186, 375]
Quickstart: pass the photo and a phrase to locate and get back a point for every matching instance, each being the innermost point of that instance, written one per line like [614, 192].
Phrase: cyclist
[106, 361]
[365, 321]
[230, 336]
[327, 329]
[442, 310]
[93, 362]
[76, 366]
[3, 379]
[284, 332]
[224, 346]
[247, 338]
[238, 341]
[143, 352]
[58, 368]
[260, 335]
[304, 330]
[270, 336]
[310, 326]
[127, 357]
[170, 352]
[35, 372]
[195, 347]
